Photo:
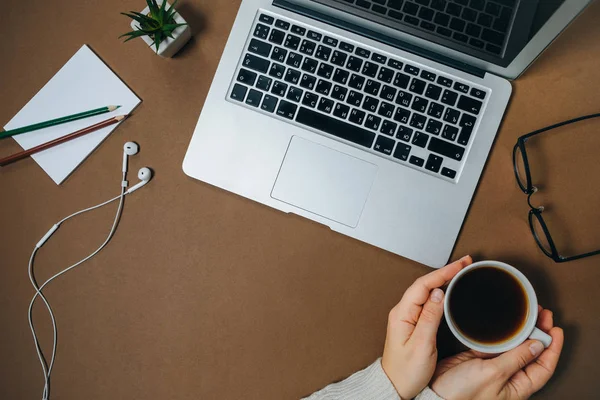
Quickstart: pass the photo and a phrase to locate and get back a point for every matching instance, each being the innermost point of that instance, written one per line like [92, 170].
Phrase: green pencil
[57, 121]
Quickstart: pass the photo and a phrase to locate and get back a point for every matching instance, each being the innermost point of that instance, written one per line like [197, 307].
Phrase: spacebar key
[335, 127]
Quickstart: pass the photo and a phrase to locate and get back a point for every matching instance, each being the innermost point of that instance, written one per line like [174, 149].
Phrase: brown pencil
[60, 140]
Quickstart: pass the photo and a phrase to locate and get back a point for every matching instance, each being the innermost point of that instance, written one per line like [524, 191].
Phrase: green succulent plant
[158, 24]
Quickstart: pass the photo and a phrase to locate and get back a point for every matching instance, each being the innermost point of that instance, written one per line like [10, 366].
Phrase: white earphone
[145, 175]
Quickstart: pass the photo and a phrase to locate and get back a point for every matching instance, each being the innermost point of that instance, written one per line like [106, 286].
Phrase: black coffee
[488, 305]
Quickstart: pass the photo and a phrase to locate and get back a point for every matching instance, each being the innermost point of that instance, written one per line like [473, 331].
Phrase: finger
[540, 308]
[518, 358]
[429, 320]
[537, 374]
[545, 320]
[417, 294]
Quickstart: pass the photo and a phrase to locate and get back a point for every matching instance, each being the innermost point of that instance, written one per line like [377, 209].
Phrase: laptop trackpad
[324, 181]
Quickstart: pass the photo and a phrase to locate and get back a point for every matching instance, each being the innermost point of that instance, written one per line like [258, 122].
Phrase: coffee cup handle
[542, 336]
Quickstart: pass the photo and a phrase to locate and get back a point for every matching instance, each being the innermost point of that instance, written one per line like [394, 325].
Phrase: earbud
[129, 149]
[144, 174]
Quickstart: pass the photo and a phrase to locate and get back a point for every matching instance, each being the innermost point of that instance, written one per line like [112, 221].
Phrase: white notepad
[83, 84]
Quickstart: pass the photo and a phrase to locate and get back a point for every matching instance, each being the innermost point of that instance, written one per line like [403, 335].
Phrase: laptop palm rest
[324, 181]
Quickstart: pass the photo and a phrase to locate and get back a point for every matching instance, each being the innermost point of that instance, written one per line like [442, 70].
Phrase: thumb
[518, 358]
[431, 315]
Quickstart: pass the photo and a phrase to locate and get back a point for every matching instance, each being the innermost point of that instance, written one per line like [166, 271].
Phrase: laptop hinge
[380, 37]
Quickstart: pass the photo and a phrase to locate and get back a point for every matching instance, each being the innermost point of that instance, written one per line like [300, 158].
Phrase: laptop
[372, 117]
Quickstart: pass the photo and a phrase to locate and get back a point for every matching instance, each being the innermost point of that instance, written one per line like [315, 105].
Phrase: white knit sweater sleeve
[369, 384]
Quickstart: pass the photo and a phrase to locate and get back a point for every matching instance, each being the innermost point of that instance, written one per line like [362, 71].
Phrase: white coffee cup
[528, 331]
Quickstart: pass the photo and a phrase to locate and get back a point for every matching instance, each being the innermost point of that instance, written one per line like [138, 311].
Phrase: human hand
[410, 352]
[516, 374]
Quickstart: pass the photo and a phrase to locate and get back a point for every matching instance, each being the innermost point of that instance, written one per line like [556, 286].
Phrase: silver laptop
[372, 117]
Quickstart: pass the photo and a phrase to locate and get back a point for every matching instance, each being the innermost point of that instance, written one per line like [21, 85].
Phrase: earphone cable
[47, 368]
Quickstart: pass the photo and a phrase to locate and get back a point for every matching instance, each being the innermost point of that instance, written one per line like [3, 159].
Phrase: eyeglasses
[538, 227]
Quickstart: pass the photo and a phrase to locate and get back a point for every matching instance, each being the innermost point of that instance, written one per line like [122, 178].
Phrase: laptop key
[247, 77]
[379, 58]
[446, 149]
[325, 71]
[388, 93]
[279, 89]
[347, 47]
[314, 36]
[294, 60]
[385, 75]
[282, 24]
[308, 82]
[286, 109]
[277, 71]
[451, 116]
[467, 123]
[339, 93]
[418, 121]
[254, 98]
[401, 80]
[295, 94]
[310, 65]
[372, 87]
[420, 104]
[403, 98]
[264, 83]
[411, 70]
[373, 122]
[370, 104]
[448, 173]
[435, 110]
[267, 19]
[335, 127]
[261, 31]
[388, 127]
[384, 145]
[310, 100]
[279, 54]
[434, 127]
[356, 82]
[444, 81]
[355, 98]
[420, 139]
[461, 87]
[325, 105]
[307, 47]
[417, 86]
[433, 91]
[430, 76]
[339, 58]
[341, 111]
[357, 116]
[363, 52]
[469, 104]
[260, 48]
[323, 87]
[404, 133]
[330, 41]
[256, 63]
[449, 97]
[402, 115]
[277, 36]
[402, 151]
[394, 64]
[341, 76]
[480, 94]
[354, 64]
[450, 133]
[269, 103]
[292, 42]
[370, 69]
[298, 30]
[386, 110]
[323, 53]
[434, 163]
[239, 92]
[416, 161]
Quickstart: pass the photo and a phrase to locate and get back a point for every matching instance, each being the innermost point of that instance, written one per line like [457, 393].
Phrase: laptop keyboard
[386, 105]
[481, 24]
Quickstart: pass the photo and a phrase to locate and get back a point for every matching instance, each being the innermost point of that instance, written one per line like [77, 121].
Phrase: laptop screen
[499, 36]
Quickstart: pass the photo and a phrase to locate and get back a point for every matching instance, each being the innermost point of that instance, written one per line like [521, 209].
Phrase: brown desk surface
[205, 295]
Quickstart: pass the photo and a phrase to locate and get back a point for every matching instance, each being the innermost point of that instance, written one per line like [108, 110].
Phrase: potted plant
[160, 26]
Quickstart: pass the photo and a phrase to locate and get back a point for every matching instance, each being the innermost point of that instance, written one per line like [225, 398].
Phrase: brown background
[205, 295]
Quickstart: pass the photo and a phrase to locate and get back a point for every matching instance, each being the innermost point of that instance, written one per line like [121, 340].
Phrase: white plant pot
[169, 46]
